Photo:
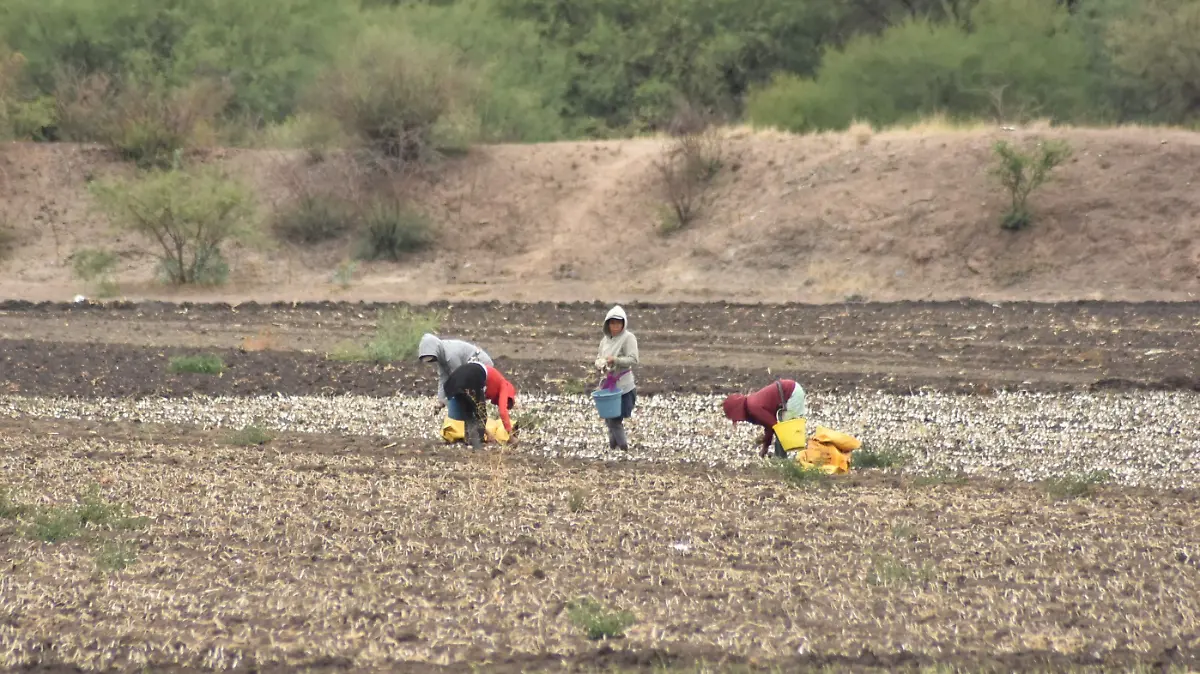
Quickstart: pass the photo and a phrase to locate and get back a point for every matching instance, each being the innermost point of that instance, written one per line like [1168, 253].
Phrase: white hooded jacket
[623, 348]
[451, 354]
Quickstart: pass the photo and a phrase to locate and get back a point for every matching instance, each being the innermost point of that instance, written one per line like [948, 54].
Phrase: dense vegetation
[150, 76]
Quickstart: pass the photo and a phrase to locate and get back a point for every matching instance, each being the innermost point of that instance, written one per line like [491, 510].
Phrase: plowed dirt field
[132, 546]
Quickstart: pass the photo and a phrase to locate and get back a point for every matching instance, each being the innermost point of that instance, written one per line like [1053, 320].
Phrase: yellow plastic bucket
[792, 434]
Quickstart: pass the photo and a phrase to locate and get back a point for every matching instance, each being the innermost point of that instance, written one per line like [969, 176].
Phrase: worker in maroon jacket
[780, 401]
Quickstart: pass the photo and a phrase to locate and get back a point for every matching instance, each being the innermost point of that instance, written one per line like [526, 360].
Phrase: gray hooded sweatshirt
[623, 348]
[451, 354]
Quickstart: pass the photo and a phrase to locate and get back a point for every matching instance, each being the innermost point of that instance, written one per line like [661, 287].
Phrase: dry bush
[687, 168]
[364, 200]
[8, 240]
[144, 122]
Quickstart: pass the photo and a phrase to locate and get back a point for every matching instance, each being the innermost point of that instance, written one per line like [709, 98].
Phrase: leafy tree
[1157, 51]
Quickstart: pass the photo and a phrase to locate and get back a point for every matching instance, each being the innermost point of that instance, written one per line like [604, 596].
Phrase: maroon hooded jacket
[760, 407]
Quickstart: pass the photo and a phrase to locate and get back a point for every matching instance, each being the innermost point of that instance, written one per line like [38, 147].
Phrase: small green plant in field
[576, 500]
[53, 525]
[798, 476]
[56, 524]
[940, 477]
[528, 421]
[1076, 485]
[574, 386]
[9, 509]
[1020, 173]
[343, 276]
[877, 458]
[249, 436]
[397, 335]
[889, 572]
[115, 556]
[392, 230]
[206, 363]
[598, 622]
[904, 532]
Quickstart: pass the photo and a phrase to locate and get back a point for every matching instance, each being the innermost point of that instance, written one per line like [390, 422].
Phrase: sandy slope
[894, 215]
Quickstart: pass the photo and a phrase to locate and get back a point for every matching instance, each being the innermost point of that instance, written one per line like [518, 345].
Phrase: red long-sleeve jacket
[762, 405]
[501, 393]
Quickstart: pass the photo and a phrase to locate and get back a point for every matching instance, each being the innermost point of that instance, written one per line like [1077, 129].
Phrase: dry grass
[304, 553]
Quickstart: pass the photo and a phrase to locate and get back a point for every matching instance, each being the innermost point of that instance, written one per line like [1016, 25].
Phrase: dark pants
[467, 385]
[616, 427]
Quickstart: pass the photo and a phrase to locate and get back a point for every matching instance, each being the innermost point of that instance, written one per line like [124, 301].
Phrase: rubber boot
[474, 432]
[619, 435]
[613, 426]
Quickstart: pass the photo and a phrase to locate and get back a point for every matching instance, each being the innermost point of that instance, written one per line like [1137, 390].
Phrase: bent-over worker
[472, 385]
[449, 355]
[780, 401]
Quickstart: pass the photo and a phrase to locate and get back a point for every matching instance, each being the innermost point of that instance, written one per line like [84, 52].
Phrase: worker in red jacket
[780, 401]
[472, 385]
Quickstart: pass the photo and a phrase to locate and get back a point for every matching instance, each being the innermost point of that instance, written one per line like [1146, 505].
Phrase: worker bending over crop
[780, 401]
[472, 385]
[448, 355]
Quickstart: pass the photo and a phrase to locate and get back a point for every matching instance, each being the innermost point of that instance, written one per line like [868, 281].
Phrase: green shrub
[793, 473]
[116, 556]
[881, 458]
[391, 92]
[24, 113]
[1020, 173]
[249, 436]
[598, 622]
[1157, 59]
[391, 230]
[56, 524]
[397, 336]
[265, 51]
[1076, 485]
[524, 80]
[206, 363]
[188, 214]
[314, 219]
[1021, 59]
[95, 267]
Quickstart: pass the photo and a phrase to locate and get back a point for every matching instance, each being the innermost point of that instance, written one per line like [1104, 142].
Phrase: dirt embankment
[895, 215]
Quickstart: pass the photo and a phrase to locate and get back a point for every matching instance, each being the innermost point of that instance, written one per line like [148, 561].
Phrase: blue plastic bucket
[455, 409]
[608, 403]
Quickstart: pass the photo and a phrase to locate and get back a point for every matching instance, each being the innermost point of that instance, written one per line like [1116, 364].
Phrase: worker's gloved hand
[762, 453]
[601, 363]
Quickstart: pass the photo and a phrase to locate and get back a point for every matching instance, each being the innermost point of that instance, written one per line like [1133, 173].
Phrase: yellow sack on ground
[843, 441]
[454, 430]
[828, 450]
[824, 456]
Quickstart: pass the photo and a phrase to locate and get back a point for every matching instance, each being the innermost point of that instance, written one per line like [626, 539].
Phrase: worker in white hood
[617, 357]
